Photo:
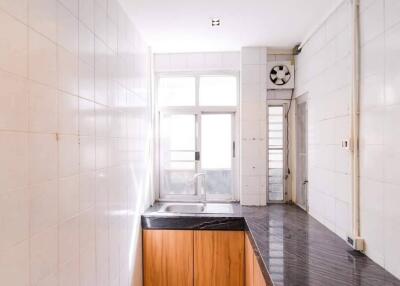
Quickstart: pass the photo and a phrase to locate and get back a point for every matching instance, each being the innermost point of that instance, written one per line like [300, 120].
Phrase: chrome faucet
[203, 193]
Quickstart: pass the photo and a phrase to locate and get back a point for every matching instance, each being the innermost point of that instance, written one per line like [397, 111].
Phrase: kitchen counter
[292, 247]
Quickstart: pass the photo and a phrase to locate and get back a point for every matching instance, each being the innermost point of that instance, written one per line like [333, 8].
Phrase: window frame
[284, 105]
[196, 110]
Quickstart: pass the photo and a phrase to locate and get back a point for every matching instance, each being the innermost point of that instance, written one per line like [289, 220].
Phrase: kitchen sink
[196, 208]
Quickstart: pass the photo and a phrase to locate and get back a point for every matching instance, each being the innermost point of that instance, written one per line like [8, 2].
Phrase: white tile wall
[253, 130]
[380, 98]
[74, 134]
[379, 136]
[323, 71]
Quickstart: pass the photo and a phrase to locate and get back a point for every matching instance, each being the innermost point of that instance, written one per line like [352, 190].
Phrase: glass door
[196, 156]
[178, 146]
[217, 155]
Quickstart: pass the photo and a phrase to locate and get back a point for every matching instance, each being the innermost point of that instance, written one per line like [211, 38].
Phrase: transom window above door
[196, 120]
[200, 90]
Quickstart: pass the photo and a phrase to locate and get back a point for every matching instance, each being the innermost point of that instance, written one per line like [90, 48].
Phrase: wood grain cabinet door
[258, 276]
[168, 257]
[218, 258]
[249, 262]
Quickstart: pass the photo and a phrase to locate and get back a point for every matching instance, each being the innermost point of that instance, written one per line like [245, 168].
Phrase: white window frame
[284, 105]
[197, 110]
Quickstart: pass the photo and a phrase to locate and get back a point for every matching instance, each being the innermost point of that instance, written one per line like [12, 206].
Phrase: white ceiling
[185, 25]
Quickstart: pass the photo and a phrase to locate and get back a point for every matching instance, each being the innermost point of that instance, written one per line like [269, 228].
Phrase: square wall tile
[43, 255]
[13, 45]
[13, 102]
[86, 45]
[43, 159]
[68, 113]
[43, 108]
[68, 241]
[68, 198]
[43, 210]
[14, 265]
[17, 8]
[67, 28]
[14, 154]
[43, 17]
[86, 13]
[42, 59]
[68, 69]
[72, 6]
[68, 152]
[69, 273]
[14, 214]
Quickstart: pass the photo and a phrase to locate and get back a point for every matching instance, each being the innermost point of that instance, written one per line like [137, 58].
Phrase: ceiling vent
[215, 22]
[280, 75]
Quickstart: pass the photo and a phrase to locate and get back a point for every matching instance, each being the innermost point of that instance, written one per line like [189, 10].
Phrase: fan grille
[280, 75]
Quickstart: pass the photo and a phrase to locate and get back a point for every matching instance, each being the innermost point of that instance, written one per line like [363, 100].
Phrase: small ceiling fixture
[215, 22]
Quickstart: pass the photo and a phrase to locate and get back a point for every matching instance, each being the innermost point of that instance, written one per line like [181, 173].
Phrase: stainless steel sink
[196, 208]
[184, 208]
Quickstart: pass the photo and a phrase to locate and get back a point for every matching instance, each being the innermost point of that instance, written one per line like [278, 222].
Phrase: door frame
[195, 109]
[235, 158]
[284, 104]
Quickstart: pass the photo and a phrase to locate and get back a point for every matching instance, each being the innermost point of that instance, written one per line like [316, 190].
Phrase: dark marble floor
[292, 247]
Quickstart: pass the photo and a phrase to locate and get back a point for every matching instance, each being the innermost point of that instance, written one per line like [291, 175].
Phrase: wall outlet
[346, 144]
[356, 243]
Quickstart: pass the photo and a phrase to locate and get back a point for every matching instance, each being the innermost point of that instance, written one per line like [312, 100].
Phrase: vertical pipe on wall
[355, 122]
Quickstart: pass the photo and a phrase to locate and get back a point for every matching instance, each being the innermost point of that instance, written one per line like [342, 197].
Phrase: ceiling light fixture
[215, 22]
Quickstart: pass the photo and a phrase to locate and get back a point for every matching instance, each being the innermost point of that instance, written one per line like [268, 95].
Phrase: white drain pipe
[356, 242]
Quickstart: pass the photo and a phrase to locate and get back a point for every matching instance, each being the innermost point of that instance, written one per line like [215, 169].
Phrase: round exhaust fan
[280, 75]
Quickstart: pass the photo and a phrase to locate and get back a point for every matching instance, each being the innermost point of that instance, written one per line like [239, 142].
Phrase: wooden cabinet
[199, 258]
[168, 257]
[218, 258]
[253, 273]
[258, 277]
[249, 262]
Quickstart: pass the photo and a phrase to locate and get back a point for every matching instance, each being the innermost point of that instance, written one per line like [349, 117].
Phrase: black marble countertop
[292, 247]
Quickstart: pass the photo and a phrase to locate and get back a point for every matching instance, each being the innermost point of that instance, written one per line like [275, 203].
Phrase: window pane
[216, 141]
[178, 138]
[177, 91]
[181, 165]
[218, 182]
[178, 132]
[218, 91]
[275, 153]
[182, 156]
[178, 182]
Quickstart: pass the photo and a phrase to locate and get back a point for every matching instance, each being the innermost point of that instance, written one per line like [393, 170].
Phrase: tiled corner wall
[323, 71]
[380, 133]
[74, 135]
[253, 163]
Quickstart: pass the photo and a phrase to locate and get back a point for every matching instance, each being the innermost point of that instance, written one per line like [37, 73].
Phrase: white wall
[253, 129]
[323, 71]
[74, 134]
[380, 135]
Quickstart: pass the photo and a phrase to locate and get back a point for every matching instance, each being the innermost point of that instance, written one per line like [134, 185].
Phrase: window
[176, 91]
[276, 153]
[196, 136]
[218, 91]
